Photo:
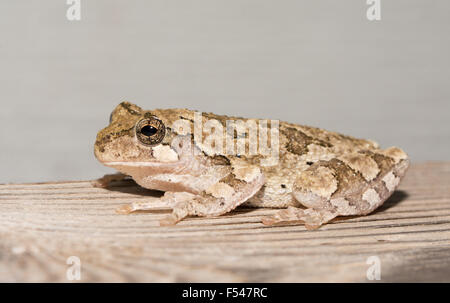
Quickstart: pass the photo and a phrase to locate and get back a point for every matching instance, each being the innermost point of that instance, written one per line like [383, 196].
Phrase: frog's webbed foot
[312, 218]
[104, 181]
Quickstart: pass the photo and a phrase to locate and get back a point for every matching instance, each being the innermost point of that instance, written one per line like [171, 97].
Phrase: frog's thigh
[353, 184]
[221, 197]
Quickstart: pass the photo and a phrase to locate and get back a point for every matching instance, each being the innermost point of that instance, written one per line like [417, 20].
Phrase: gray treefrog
[315, 175]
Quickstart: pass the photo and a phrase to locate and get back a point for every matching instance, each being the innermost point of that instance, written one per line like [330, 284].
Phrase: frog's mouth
[140, 163]
[145, 164]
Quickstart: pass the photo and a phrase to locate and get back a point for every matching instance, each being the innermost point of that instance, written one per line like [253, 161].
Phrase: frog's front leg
[353, 184]
[219, 198]
[151, 203]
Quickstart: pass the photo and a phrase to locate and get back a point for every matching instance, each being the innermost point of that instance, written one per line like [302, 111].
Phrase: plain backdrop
[320, 63]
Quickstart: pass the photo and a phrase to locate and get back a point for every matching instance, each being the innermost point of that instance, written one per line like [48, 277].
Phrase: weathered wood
[41, 225]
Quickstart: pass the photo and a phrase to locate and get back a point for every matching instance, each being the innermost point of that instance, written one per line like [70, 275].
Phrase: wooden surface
[41, 225]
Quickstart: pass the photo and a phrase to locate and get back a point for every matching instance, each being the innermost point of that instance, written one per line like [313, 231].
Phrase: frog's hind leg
[220, 198]
[352, 184]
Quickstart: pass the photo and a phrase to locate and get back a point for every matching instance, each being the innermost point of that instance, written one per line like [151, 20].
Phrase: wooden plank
[42, 224]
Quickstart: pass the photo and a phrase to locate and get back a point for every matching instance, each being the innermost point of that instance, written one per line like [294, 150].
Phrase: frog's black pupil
[148, 130]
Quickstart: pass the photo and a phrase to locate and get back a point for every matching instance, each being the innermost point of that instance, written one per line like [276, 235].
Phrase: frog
[311, 175]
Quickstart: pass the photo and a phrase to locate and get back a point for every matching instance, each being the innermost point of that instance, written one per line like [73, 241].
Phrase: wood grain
[42, 224]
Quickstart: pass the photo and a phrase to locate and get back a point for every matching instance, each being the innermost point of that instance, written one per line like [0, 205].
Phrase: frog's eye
[150, 131]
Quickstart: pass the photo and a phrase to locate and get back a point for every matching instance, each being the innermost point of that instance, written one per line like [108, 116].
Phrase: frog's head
[137, 138]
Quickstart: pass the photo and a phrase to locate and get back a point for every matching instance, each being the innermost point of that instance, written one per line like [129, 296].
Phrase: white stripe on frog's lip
[175, 167]
[139, 164]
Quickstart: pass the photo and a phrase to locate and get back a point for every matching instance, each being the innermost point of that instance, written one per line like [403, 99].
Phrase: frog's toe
[99, 183]
[124, 209]
[176, 216]
[168, 221]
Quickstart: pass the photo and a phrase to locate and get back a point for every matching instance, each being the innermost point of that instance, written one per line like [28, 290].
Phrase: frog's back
[304, 148]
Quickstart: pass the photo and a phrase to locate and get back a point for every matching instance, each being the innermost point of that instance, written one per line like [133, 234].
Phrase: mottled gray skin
[318, 174]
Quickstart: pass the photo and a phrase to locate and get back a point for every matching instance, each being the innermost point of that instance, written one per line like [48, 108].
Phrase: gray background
[318, 62]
